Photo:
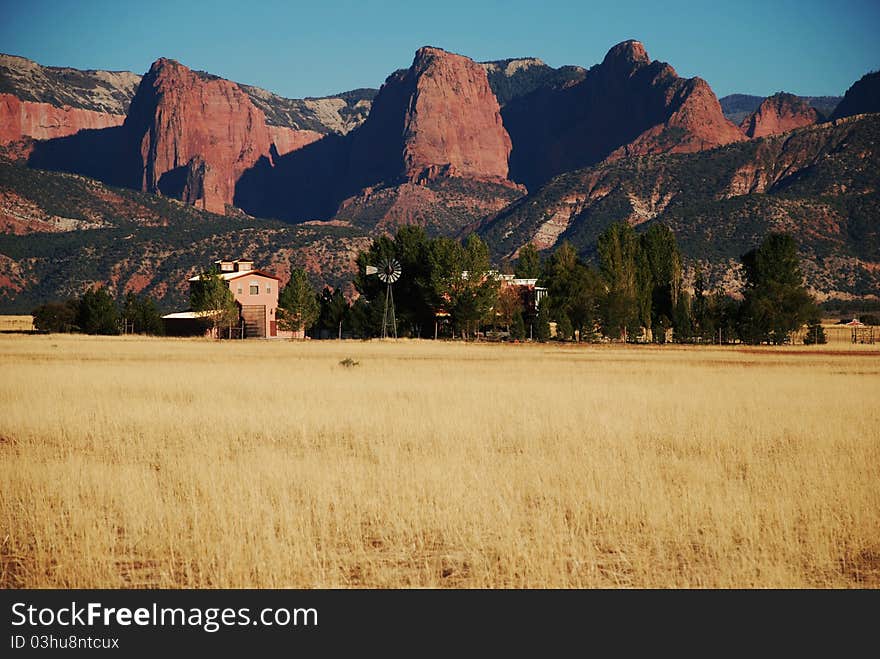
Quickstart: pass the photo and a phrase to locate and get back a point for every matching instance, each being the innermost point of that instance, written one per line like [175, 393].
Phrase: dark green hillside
[144, 242]
[820, 183]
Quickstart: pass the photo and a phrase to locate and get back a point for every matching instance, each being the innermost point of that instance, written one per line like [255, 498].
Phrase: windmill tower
[389, 272]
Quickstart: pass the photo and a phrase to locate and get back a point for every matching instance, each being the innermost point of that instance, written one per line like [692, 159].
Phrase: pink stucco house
[255, 292]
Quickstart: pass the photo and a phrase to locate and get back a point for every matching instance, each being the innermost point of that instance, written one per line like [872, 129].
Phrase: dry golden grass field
[135, 462]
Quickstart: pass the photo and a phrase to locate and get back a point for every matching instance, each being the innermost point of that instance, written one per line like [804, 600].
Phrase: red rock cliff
[454, 120]
[41, 121]
[439, 117]
[196, 134]
[287, 139]
[779, 113]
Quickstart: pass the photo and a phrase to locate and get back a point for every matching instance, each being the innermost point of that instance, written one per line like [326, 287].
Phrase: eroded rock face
[286, 139]
[455, 119]
[20, 120]
[437, 118]
[45, 102]
[627, 105]
[779, 113]
[179, 115]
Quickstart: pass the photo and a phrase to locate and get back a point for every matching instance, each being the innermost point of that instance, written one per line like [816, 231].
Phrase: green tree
[297, 304]
[461, 282]
[366, 317]
[775, 301]
[518, 327]
[478, 292]
[97, 313]
[528, 265]
[703, 328]
[212, 298]
[564, 330]
[660, 280]
[618, 249]
[815, 333]
[574, 289]
[141, 316]
[413, 301]
[541, 324]
[334, 313]
[682, 319]
[56, 316]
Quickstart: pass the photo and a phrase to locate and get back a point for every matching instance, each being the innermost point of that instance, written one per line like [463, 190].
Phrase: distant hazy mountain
[737, 107]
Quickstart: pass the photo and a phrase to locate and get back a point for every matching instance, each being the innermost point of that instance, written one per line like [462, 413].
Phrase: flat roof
[226, 276]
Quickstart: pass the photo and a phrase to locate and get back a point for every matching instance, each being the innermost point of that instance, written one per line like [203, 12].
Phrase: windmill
[388, 272]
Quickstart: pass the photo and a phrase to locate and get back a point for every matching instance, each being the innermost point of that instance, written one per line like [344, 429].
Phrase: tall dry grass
[172, 463]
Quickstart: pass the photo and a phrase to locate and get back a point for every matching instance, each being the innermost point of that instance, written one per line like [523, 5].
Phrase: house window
[255, 288]
[239, 289]
[268, 289]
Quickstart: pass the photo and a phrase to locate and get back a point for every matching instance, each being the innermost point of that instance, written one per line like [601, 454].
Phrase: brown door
[254, 316]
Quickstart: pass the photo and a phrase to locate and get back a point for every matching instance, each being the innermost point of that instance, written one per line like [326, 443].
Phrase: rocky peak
[629, 53]
[779, 113]
[439, 117]
[627, 105]
[195, 133]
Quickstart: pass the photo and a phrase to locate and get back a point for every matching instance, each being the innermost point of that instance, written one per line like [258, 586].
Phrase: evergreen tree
[541, 324]
[56, 316]
[334, 313]
[564, 331]
[297, 304]
[213, 299]
[413, 301]
[775, 301]
[97, 313]
[815, 333]
[366, 317]
[703, 328]
[518, 327]
[141, 316]
[528, 266]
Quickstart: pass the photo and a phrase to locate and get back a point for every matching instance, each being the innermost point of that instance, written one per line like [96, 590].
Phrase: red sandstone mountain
[20, 120]
[779, 113]
[197, 134]
[44, 103]
[627, 105]
[439, 117]
[433, 151]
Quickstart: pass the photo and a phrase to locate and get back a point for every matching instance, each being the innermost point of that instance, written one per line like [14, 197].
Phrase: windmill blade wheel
[389, 271]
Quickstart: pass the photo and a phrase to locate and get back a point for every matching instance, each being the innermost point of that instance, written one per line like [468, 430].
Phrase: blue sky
[317, 48]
